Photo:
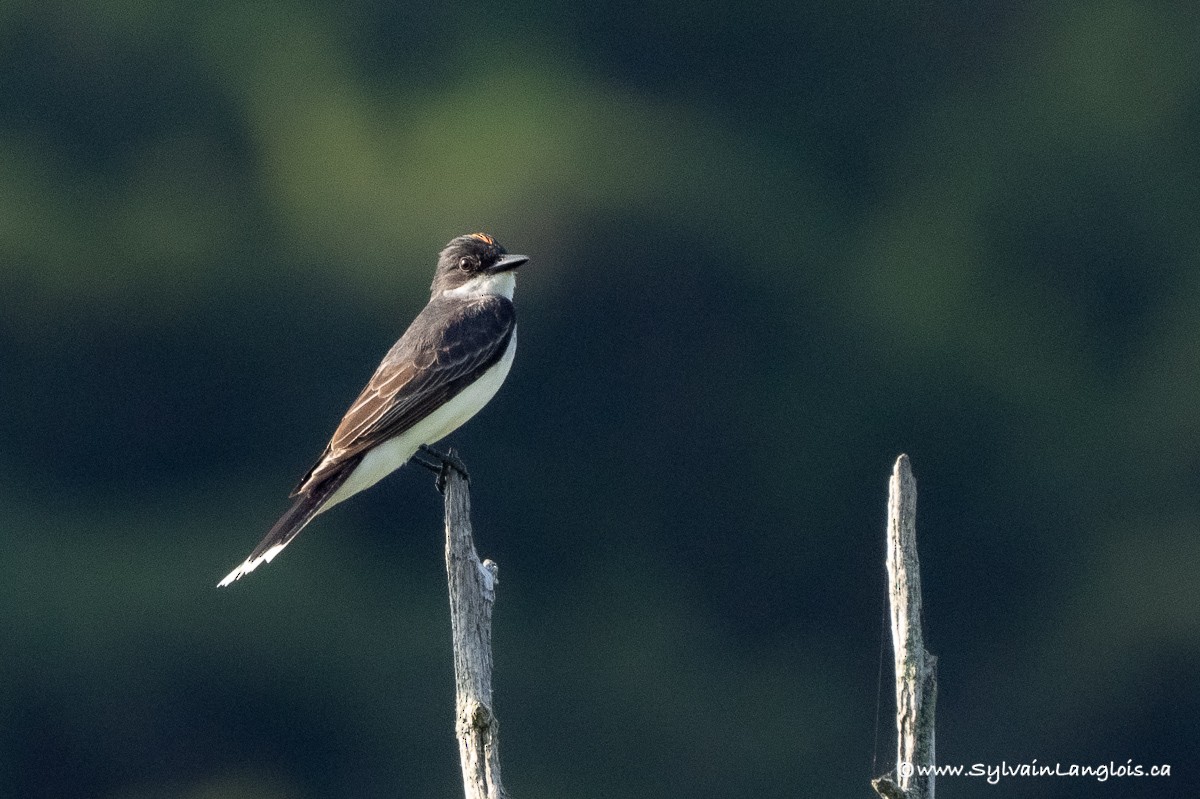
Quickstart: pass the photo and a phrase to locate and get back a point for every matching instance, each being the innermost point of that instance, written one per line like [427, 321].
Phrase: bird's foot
[441, 463]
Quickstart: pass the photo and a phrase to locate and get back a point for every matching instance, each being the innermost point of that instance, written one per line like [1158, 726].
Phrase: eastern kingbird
[446, 366]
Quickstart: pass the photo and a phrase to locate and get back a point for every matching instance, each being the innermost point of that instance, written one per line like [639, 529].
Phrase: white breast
[389, 456]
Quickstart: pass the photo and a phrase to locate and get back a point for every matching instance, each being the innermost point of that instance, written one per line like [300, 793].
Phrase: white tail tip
[250, 565]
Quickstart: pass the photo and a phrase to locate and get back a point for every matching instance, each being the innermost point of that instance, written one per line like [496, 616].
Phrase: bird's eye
[466, 263]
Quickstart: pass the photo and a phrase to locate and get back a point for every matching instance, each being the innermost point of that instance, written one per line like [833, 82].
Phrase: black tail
[306, 506]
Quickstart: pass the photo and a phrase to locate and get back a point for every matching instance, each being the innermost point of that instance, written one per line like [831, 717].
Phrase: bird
[449, 363]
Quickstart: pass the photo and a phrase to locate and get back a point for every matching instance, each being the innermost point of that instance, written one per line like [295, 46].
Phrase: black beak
[507, 262]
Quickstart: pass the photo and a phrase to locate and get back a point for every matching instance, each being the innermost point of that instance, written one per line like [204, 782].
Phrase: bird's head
[475, 265]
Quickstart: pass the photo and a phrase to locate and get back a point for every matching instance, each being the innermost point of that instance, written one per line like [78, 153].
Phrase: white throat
[500, 284]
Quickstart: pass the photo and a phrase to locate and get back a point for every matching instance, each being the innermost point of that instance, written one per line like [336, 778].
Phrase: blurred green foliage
[772, 248]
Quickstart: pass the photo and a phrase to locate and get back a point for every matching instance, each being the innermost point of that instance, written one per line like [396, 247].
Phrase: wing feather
[447, 347]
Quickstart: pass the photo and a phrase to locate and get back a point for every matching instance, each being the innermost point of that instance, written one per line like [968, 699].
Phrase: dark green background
[772, 248]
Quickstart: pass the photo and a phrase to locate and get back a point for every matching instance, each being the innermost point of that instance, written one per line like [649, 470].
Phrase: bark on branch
[472, 593]
[916, 669]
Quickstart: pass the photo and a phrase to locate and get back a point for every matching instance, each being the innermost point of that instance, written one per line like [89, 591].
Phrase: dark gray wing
[446, 348]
